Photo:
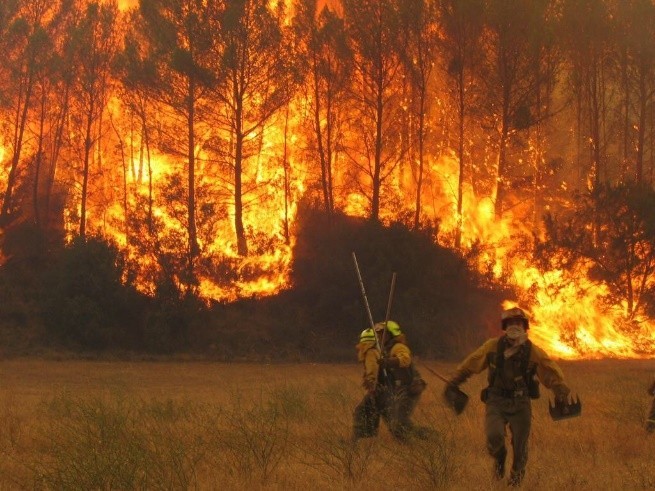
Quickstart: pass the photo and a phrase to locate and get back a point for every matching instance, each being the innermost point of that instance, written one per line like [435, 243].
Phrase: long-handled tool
[391, 290]
[453, 395]
[361, 287]
[368, 311]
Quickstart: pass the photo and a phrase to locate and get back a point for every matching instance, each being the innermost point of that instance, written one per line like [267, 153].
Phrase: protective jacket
[368, 354]
[393, 389]
[508, 376]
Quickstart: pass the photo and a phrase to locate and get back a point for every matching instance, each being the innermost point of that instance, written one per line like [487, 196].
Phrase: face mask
[514, 331]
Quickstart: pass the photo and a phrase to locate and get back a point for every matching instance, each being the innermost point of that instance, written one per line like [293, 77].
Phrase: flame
[572, 317]
[127, 4]
[265, 271]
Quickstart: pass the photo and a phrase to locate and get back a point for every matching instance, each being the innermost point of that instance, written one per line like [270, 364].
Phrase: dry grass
[93, 425]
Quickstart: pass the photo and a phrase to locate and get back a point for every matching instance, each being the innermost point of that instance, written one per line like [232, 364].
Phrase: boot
[515, 479]
[499, 464]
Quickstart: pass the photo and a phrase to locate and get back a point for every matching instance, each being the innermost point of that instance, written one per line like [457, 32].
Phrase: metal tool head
[565, 409]
[455, 398]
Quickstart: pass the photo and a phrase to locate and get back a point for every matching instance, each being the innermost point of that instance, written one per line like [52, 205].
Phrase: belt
[510, 394]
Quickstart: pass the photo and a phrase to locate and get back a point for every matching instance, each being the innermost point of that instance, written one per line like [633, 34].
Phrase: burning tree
[419, 31]
[25, 41]
[585, 28]
[374, 32]
[181, 40]
[93, 42]
[621, 255]
[322, 41]
[461, 23]
[512, 32]
[637, 70]
[253, 68]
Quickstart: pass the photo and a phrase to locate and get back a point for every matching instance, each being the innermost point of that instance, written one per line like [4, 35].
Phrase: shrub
[88, 301]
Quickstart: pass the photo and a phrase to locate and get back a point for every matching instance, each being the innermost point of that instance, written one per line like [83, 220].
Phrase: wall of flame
[570, 314]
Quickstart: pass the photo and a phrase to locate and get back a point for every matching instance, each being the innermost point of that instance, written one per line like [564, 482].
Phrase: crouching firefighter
[513, 361]
[392, 383]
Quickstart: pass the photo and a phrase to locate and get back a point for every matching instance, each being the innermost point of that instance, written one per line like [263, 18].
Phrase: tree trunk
[319, 137]
[21, 121]
[242, 244]
[191, 206]
[287, 190]
[502, 164]
[85, 170]
[641, 131]
[461, 95]
[39, 160]
[377, 164]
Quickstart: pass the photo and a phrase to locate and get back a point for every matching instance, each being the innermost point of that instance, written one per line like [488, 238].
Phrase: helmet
[367, 336]
[514, 313]
[394, 328]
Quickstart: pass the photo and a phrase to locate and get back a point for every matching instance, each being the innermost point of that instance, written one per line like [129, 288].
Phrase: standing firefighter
[393, 386]
[650, 419]
[513, 361]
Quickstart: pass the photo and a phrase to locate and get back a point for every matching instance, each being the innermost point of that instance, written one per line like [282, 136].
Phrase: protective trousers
[396, 408]
[394, 405]
[366, 418]
[517, 414]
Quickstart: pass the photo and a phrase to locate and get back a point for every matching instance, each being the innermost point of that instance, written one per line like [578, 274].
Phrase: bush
[439, 302]
[88, 302]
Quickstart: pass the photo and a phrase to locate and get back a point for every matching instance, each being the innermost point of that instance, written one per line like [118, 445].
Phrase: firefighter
[650, 419]
[393, 385]
[512, 361]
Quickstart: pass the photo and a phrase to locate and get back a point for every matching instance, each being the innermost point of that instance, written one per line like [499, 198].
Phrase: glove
[459, 378]
[450, 389]
[562, 404]
[391, 362]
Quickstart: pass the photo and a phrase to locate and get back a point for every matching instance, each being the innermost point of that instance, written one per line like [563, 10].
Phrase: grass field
[146, 425]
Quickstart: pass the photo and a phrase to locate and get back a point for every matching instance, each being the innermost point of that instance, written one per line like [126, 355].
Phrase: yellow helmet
[394, 328]
[514, 313]
[367, 336]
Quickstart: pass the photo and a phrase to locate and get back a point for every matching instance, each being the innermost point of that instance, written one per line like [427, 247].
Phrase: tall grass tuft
[429, 460]
[116, 444]
[340, 459]
[253, 438]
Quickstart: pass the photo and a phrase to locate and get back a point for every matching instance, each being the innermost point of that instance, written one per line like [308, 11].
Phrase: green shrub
[88, 301]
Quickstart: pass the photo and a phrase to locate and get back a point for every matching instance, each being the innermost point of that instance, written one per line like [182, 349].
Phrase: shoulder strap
[499, 361]
[526, 362]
